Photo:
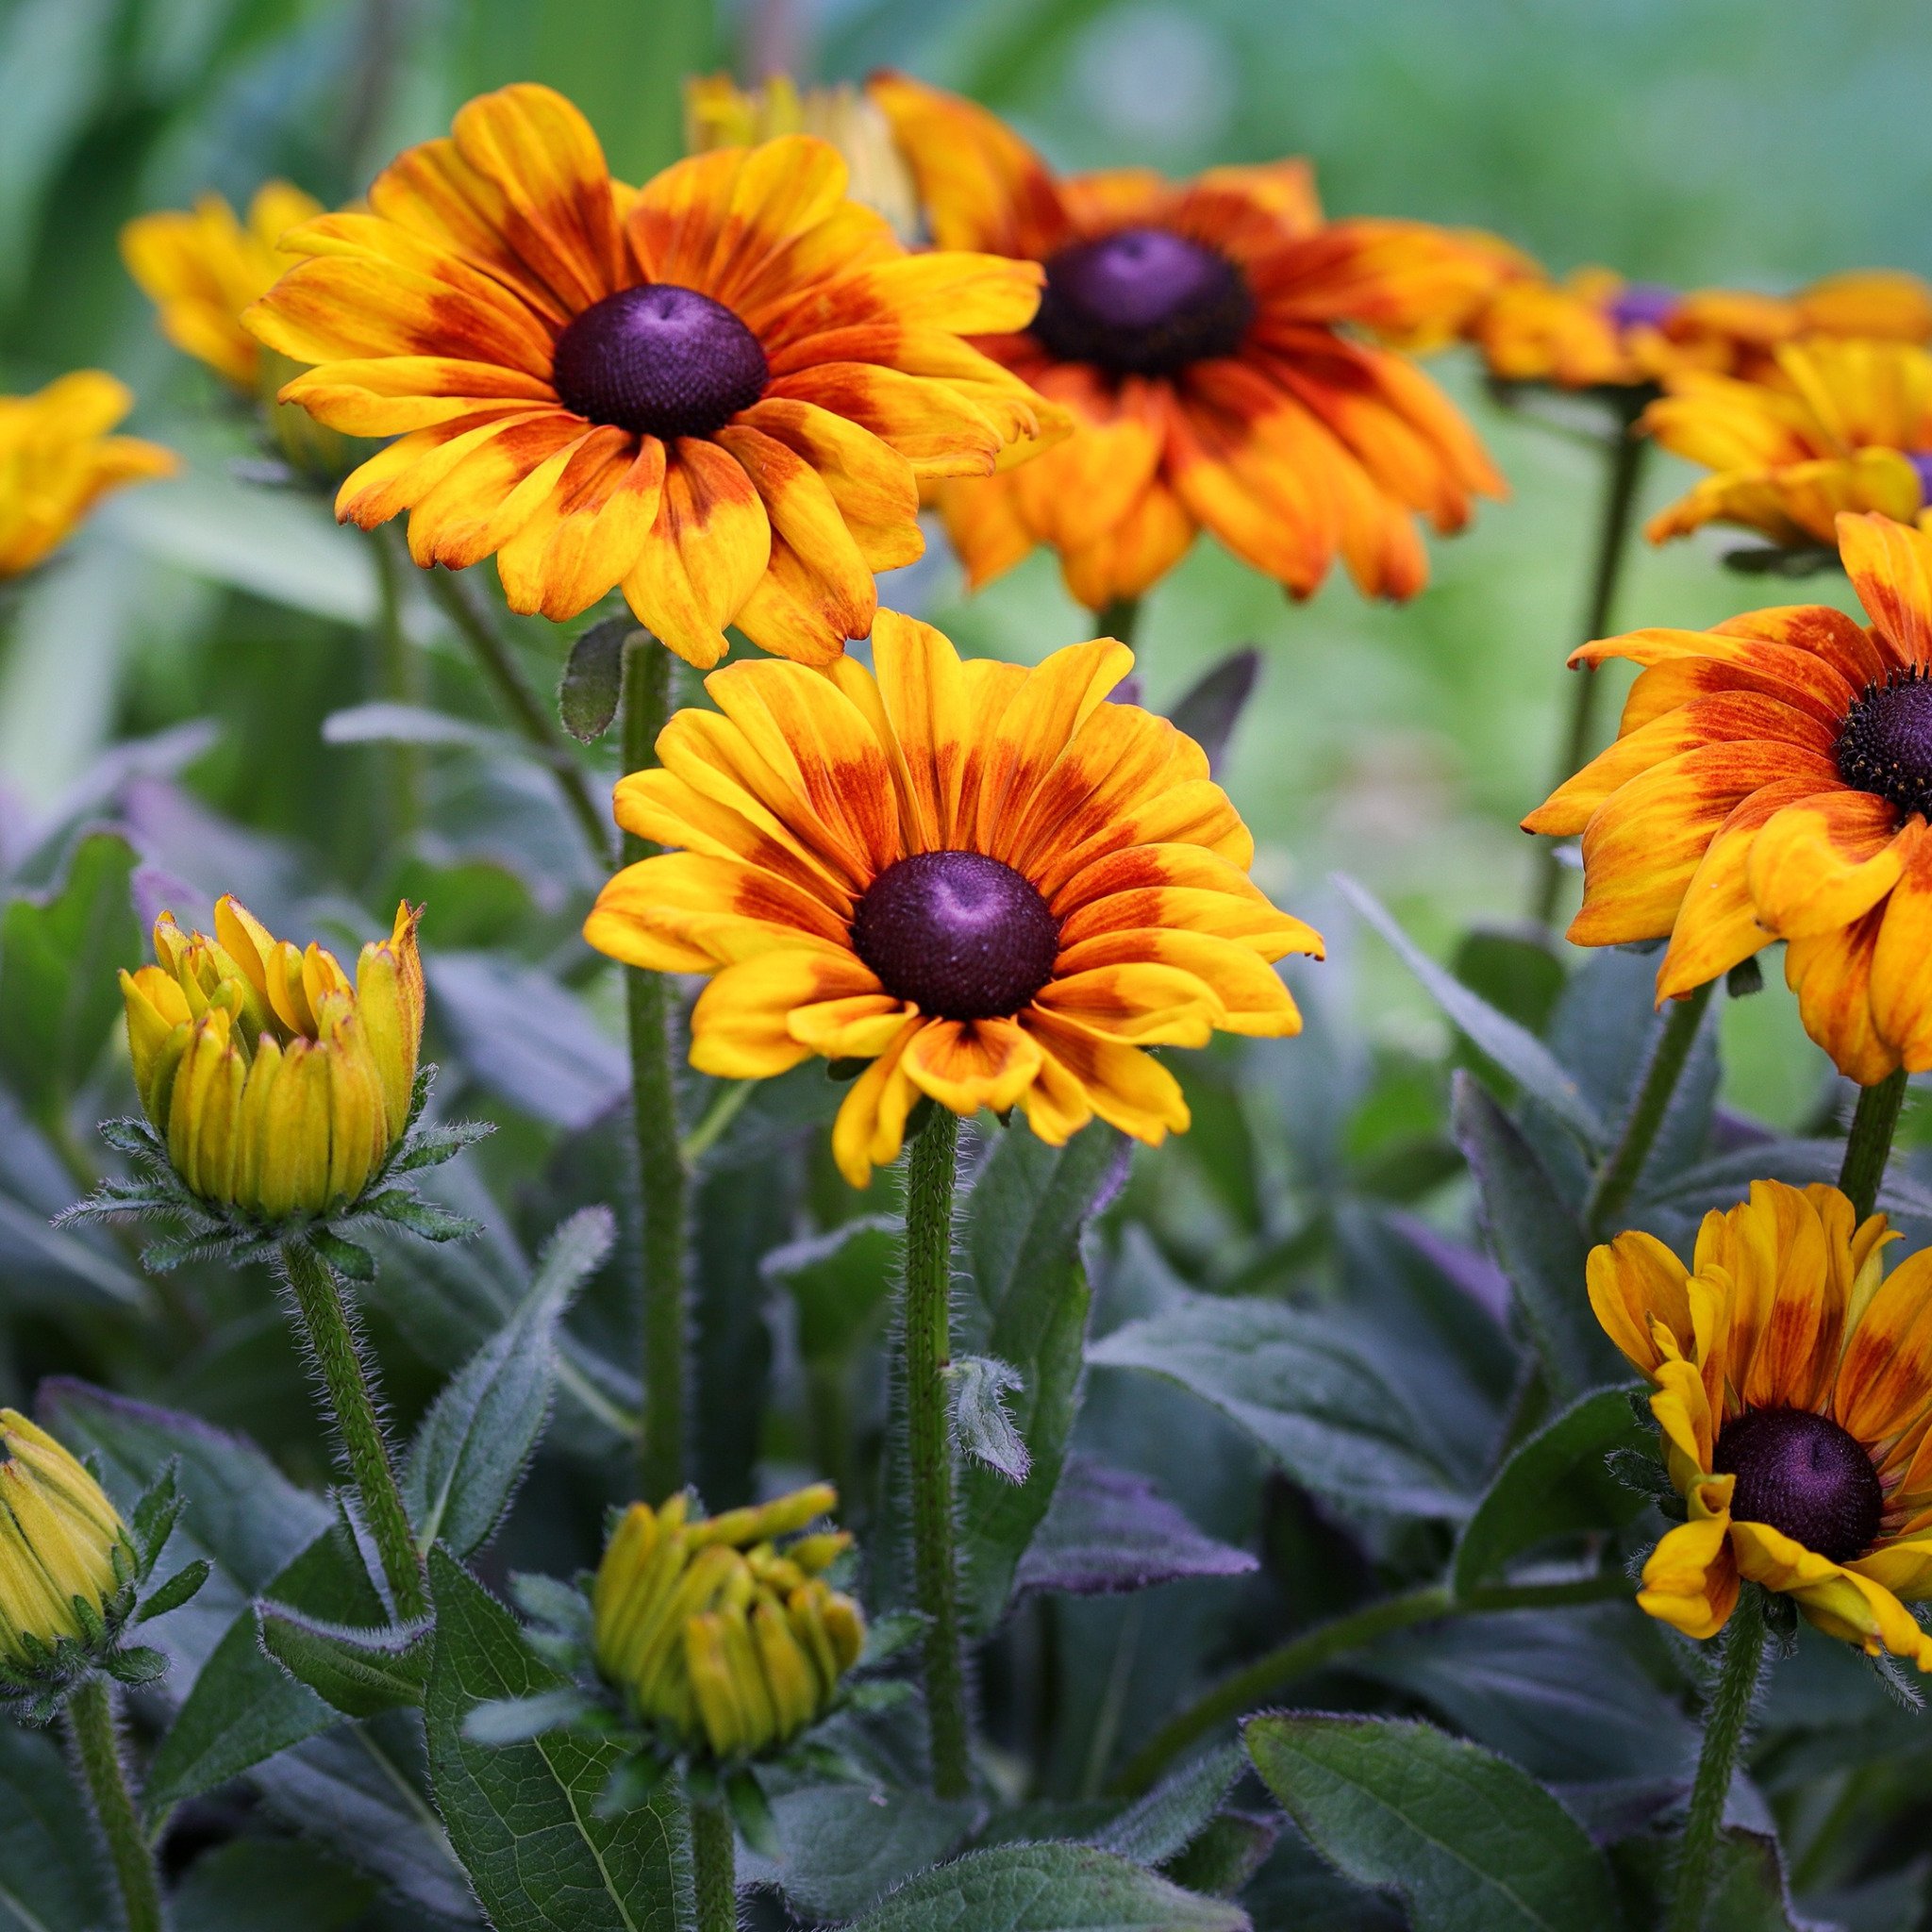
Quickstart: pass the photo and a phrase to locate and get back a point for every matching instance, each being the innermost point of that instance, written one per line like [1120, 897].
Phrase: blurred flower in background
[56, 461]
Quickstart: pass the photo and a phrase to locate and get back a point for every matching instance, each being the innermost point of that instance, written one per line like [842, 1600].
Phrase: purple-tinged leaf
[1111, 1530]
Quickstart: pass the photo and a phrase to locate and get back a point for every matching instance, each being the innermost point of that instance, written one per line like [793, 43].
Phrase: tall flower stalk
[92, 1725]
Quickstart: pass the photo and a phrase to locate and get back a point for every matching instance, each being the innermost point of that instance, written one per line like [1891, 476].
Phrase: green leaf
[269, 1885]
[481, 1431]
[59, 958]
[839, 1281]
[1517, 972]
[984, 1429]
[1472, 1844]
[1517, 1051]
[1167, 1820]
[1538, 1241]
[51, 1872]
[522, 1818]
[1304, 1388]
[1047, 1887]
[593, 686]
[1024, 1217]
[841, 1846]
[357, 1673]
[1748, 1891]
[245, 1707]
[181, 1588]
[1556, 1483]
[1211, 708]
[1231, 1848]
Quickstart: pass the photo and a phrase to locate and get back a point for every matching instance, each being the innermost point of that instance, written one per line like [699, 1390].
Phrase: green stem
[714, 1862]
[1256, 1683]
[337, 1352]
[1868, 1146]
[930, 1438]
[97, 1745]
[398, 682]
[1626, 452]
[526, 709]
[1118, 619]
[662, 1176]
[1724, 1720]
[1625, 1162]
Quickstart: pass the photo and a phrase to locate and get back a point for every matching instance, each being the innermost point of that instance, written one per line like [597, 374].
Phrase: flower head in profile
[201, 267]
[719, 391]
[720, 114]
[721, 1632]
[1595, 329]
[1772, 779]
[58, 461]
[1828, 427]
[1214, 342]
[992, 884]
[1794, 1394]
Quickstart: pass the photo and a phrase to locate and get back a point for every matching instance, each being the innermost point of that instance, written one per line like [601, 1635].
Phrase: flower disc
[1806, 1476]
[659, 361]
[1141, 302]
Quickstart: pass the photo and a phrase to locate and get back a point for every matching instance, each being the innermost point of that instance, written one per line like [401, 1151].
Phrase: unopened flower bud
[59, 1539]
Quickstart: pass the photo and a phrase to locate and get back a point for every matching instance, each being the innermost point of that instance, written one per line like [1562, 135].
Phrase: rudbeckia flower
[1595, 329]
[720, 114]
[1772, 779]
[1793, 1401]
[1208, 338]
[990, 882]
[279, 1085]
[1830, 426]
[719, 390]
[201, 268]
[56, 461]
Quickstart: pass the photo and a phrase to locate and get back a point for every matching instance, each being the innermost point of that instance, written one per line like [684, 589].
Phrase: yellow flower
[1793, 1400]
[59, 1533]
[994, 884]
[1772, 779]
[203, 268]
[711, 1630]
[1829, 426]
[719, 391]
[279, 1086]
[720, 114]
[56, 461]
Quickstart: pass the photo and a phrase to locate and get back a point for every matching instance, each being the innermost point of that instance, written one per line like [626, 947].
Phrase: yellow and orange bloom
[1829, 426]
[1211, 339]
[1593, 329]
[279, 1086]
[719, 391]
[56, 461]
[1794, 1404]
[992, 883]
[720, 114]
[712, 1629]
[59, 1537]
[1772, 779]
[201, 267]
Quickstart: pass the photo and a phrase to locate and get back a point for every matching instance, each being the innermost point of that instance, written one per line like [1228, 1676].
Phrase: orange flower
[990, 883]
[1795, 1406]
[1829, 426]
[720, 390]
[1207, 338]
[1595, 329]
[1772, 779]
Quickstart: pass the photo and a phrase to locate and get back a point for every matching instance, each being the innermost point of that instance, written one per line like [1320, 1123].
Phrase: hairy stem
[929, 1434]
[1118, 619]
[1624, 453]
[714, 1861]
[1868, 1146]
[663, 1286]
[1724, 1720]
[525, 710]
[1625, 1162]
[97, 1745]
[332, 1342]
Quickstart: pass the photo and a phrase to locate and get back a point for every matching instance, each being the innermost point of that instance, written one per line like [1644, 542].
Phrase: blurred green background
[1721, 141]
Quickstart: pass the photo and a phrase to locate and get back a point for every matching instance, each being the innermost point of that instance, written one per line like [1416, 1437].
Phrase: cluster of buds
[715, 1635]
[282, 1098]
[71, 1572]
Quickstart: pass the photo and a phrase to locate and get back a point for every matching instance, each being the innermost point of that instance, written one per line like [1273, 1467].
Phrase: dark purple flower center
[960, 935]
[1647, 304]
[660, 361]
[1805, 1476]
[1884, 744]
[1141, 302]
